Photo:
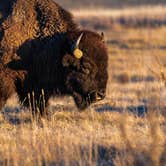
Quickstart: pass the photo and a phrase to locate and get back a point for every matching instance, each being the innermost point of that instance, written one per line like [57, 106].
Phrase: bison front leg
[7, 86]
[38, 103]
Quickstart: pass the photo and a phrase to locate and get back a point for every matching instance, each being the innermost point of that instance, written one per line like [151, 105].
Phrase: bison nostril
[96, 96]
[101, 95]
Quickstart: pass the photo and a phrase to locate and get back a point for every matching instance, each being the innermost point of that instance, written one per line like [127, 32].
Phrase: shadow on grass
[125, 22]
[15, 116]
[135, 44]
[124, 78]
[139, 110]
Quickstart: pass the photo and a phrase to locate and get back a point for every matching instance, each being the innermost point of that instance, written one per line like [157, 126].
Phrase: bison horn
[76, 51]
[78, 41]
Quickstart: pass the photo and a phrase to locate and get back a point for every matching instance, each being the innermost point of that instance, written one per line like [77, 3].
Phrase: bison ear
[76, 51]
[102, 36]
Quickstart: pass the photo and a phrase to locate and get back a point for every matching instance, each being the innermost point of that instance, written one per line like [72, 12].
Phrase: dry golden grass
[115, 131]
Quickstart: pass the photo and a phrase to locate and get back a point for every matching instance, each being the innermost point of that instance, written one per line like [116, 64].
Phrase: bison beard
[41, 47]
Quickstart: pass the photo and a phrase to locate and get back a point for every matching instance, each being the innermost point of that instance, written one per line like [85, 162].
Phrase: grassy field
[128, 128]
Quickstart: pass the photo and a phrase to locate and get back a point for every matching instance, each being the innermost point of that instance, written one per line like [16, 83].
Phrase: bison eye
[70, 61]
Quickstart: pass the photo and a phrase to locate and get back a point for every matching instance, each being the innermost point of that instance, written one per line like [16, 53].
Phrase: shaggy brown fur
[36, 37]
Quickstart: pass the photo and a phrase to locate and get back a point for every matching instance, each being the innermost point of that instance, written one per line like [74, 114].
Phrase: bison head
[85, 65]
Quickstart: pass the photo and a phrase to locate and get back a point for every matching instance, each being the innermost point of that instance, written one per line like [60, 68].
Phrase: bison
[43, 49]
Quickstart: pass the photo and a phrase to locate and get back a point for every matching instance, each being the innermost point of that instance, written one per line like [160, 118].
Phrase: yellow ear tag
[78, 53]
